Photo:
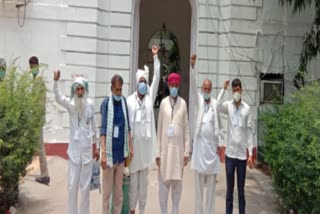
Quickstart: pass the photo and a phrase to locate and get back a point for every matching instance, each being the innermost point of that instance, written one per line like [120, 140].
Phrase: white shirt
[141, 117]
[83, 128]
[239, 128]
[205, 140]
[205, 158]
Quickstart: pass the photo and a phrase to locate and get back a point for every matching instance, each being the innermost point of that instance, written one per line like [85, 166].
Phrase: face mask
[116, 98]
[237, 96]
[2, 74]
[34, 71]
[174, 92]
[142, 88]
[206, 96]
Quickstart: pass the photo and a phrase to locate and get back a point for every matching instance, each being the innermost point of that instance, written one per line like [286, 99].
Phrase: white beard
[79, 103]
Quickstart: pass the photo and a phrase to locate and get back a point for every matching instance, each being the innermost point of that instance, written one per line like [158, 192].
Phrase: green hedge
[292, 149]
[21, 118]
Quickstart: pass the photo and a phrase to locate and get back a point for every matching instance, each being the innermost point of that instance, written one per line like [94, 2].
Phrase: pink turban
[174, 78]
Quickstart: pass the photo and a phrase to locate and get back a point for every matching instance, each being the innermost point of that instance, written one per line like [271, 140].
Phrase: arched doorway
[170, 59]
[150, 17]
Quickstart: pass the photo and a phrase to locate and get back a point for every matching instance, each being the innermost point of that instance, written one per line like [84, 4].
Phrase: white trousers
[210, 180]
[79, 175]
[138, 189]
[176, 190]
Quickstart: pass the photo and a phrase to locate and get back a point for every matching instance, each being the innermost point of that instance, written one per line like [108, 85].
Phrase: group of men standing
[128, 138]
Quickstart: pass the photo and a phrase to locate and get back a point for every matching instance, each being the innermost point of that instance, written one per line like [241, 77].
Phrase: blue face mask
[174, 91]
[116, 98]
[142, 88]
[206, 96]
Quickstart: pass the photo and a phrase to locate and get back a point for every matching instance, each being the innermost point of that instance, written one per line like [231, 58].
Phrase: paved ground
[37, 198]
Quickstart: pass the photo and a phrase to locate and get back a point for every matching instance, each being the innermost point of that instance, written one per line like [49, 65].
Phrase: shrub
[21, 119]
[292, 149]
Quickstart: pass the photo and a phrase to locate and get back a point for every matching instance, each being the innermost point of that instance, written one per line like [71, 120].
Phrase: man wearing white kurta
[81, 149]
[173, 145]
[205, 159]
[141, 117]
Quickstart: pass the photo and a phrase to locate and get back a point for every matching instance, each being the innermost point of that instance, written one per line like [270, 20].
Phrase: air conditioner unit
[272, 91]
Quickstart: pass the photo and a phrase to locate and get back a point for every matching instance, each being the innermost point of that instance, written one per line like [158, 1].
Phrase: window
[272, 88]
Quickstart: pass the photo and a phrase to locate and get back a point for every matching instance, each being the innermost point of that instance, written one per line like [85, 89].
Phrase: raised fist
[56, 75]
[193, 60]
[155, 50]
[226, 84]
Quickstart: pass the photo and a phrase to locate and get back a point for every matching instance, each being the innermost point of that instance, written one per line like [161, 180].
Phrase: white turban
[79, 81]
[142, 73]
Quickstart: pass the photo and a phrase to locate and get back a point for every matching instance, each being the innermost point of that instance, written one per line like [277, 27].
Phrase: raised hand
[56, 75]
[155, 50]
[193, 60]
[158, 162]
[226, 84]
[186, 160]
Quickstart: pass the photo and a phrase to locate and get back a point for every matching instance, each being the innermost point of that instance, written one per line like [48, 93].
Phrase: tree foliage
[291, 145]
[21, 119]
[311, 43]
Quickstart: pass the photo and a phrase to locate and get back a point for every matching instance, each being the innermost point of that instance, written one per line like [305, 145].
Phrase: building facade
[255, 40]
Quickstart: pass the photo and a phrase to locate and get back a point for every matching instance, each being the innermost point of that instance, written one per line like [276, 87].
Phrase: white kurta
[83, 129]
[83, 132]
[205, 159]
[173, 138]
[141, 117]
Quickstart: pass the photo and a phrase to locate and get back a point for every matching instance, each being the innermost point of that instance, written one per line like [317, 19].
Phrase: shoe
[43, 180]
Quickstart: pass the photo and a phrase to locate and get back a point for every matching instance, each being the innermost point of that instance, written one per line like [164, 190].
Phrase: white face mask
[236, 96]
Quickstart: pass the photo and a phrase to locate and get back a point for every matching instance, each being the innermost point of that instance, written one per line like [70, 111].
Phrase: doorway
[151, 18]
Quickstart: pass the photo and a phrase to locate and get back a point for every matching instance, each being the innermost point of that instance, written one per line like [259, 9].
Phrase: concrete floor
[36, 198]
